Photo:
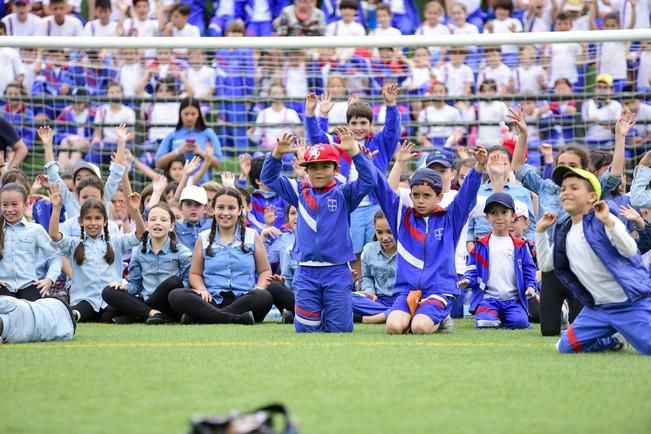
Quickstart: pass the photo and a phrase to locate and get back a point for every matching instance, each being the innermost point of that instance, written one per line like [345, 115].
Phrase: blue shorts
[436, 307]
[362, 229]
[362, 305]
[260, 28]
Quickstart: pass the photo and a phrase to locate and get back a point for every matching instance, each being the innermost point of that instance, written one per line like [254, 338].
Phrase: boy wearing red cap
[323, 281]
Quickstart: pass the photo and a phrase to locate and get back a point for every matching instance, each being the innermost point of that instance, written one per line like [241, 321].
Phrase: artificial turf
[146, 379]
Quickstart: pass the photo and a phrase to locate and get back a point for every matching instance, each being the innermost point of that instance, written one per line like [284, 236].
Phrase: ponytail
[173, 247]
[211, 237]
[145, 237]
[109, 256]
[2, 235]
[80, 250]
[240, 222]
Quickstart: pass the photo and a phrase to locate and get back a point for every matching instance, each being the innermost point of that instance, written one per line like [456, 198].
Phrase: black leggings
[282, 295]
[551, 300]
[125, 303]
[88, 314]
[187, 301]
[29, 293]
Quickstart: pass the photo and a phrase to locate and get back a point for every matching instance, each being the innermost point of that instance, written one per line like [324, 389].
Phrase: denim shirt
[26, 244]
[94, 274]
[478, 226]
[71, 228]
[70, 201]
[378, 270]
[275, 247]
[147, 269]
[229, 269]
[640, 193]
[187, 233]
[288, 266]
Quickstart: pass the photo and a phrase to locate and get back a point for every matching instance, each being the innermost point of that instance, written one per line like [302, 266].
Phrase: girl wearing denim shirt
[553, 293]
[95, 256]
[225, 262]
[22, 245]
[159, 267]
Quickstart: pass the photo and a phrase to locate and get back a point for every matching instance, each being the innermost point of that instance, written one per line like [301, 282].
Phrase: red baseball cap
[321, 152]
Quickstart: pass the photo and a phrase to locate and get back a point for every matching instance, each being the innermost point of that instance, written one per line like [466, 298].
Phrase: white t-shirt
[161, 113]
[337, 114]
[471, 5]
[398, 7]
[493, 112]
[581, 24]
[189, 30]
[225, 7]
[296, 81]
[543, 23]
[15, 27]
[644, 71]
[419, 77]
[432, 114]
[643, 118]
[30, 75]
[390, 31]
[136, 27]
[502, 75]
[10, 67]
[105, 116]
[501, 283]
[607, 112]
[261, 11]
[624, 8]
[456, 78]
[339, 28]
[439, 29]
[589, 269]
[525, 80]
[268, 135]
[71, 27]
[612, 59]
[563, 61]
[129, 75]
[467, 29]
[509, 25]
[95, 28]
[203, 79]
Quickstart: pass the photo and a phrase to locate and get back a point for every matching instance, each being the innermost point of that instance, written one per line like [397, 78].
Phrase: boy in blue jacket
[323, 282]
[595, 257]
[427, 236]
[501, 271]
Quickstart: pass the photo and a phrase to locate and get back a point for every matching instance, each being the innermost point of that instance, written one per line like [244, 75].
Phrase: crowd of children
[328, 224]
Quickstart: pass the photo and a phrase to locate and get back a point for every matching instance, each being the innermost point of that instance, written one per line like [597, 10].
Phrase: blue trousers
[362, 305]
[323, 299]
[509, 314]
[260, 28]
[593, 328]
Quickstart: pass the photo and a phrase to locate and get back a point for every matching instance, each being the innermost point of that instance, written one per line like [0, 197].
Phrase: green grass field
[140, 379]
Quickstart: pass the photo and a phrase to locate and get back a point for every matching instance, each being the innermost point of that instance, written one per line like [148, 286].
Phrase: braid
[240, 222]
[145, 236]
[109, 257]
[173, 247]
[211, 237]
[2, 236]
[80, 250]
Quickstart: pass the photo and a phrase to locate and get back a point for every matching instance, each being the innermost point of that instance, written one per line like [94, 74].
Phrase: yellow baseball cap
[604, 78]
[562, 172]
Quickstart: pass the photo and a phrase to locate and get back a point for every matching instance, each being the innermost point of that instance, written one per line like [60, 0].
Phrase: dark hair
[170, 187]
[135, 2]
[171, 235]
[579, 151]
[563, 80]
[114, 84]
[600, 158]
[502, 149]
[348, 4]
[488, 83]
[12, 186]
[256, 170]
[181, 8]
[379, 215]
[611, 16]
[80, 250]
[3, 27]
[562, 16]
[58, 1]
[186, 102]
[384, 7]
[235, 26]
[504, 4]
[246, 196]
[146, 194]
[18, 86]
[103, 4]
[232, 192]
[168, 82]
[16, 176]
[177, 159]
[90, 181]
[359, 109]
[492, 49]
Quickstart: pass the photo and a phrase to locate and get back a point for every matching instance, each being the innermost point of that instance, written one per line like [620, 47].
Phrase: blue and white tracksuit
[493, 312]
[593, 328]
[426, 247]
[385, 143]
[378, 277]
[323, 282]
[261, 200]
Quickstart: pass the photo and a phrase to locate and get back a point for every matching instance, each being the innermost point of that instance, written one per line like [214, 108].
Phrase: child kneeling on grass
[598, 260]
[500, 270]
[46, 319]
[323, 281]
[426, 278]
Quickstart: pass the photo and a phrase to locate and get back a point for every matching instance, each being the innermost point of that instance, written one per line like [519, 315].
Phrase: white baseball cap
[194, 193]
[521, 209]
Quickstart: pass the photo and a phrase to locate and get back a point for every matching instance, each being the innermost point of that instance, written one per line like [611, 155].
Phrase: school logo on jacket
[332, 205]
[438, 233]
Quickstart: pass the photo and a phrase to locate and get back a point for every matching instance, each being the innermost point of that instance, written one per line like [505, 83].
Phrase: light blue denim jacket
[25, 245]
[187, 233]
[147, 269]
[640, 194]
[94, 274]
[70, 201]
[378, 270]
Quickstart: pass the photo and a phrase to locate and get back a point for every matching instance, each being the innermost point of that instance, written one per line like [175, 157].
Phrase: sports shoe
[187, 319]
[565, 316]
[122, 319]
[622, 344]
[158, 318]
[288, 317]
[447, 325]
[247, 318]
[76, 315]
[413, 299]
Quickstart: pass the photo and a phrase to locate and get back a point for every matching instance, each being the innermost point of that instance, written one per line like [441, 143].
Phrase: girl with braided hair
[95, 254]
[159, 266]
[229, 271]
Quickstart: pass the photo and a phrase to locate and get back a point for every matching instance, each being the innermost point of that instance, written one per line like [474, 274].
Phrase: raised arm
[57, 203]
[188, 169]
[622, 127]
[404, 155]
[270, 175]
[519, 152]
[133, 202]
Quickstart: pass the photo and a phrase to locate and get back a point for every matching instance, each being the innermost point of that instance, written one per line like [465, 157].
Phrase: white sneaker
[565, 316]
[447, 325]
[622, 344]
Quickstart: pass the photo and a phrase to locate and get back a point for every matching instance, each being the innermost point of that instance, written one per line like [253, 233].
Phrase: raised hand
[325, 103]
[191, 165]
[406, 152]
[55, 196]
[353, 99]
[346, 139]
[245, 165]
[228, 179]
[546, 150]
[123, 133]
[311, 100]
[366, 151]
[270, 232]
[624, 123]
[159, 183]
[390, 93]
[46, 135]
[517, 118]
[630, 214]
[284, 145]
[547, 220]
[133, 201]
[602, 212]
[481, 155]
